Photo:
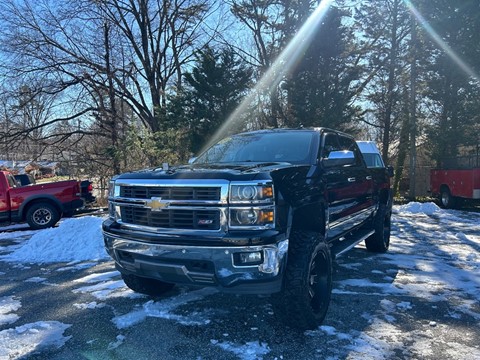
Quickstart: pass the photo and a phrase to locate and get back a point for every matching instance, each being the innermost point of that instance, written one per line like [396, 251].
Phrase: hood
[226, 171]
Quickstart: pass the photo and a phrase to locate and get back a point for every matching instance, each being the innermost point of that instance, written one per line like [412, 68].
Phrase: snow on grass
[75, 239]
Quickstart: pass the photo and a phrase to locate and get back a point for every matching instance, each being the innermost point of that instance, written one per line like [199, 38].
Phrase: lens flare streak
[442, 44]
[285, 62]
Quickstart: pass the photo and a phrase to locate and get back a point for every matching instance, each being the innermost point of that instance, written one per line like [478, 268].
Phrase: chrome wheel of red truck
[446, 199]
[42, 215]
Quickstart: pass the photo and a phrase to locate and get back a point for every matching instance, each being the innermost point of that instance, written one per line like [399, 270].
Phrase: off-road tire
[42, 215]
[146, 286]
[379, 241]
[307, 287]
[447, 201]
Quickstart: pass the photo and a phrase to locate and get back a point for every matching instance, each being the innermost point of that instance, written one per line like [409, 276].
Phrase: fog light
[249, 258]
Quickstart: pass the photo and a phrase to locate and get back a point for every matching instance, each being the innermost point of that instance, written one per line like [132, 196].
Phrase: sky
[420, 276]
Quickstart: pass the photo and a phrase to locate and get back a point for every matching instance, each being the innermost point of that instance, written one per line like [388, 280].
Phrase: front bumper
[201, 265]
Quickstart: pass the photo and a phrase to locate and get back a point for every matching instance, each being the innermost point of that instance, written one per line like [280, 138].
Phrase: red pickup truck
[40, 205]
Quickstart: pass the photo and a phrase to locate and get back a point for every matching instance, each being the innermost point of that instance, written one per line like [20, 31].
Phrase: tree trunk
[391, 83]
[413, 106]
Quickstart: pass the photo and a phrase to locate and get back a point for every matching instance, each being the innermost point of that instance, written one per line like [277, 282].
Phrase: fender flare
[310, 214]
[37, 199]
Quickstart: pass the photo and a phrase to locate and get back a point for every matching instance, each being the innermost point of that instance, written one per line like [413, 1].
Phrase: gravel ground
[418, 301]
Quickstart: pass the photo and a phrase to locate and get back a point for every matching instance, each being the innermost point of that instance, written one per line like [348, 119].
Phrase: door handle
[351, 179]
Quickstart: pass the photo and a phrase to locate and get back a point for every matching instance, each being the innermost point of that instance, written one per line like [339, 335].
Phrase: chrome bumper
[202, 265]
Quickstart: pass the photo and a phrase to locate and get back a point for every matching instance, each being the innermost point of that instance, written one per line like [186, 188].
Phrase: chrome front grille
[172, 219]
[172, 192]
[171, 204]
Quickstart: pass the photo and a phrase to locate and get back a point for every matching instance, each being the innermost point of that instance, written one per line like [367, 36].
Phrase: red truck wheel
[42, 215]
[446, 199]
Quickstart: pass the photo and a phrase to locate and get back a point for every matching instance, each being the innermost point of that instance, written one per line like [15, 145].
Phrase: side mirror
[339, 158]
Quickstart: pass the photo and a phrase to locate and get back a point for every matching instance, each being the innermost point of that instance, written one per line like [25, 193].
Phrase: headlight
[252, 218]
[111, 189]
[252, 193]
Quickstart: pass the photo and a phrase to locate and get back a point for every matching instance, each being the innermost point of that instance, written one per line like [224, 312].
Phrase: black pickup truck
[262, 212]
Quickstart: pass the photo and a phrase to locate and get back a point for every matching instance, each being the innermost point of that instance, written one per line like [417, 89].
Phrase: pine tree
[320, 88]
[453, 74]
[214, 88]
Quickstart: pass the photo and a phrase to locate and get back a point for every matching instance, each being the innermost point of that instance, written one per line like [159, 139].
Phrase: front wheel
[146, 286]
[380, 240]
[304, 300]
[42, 215]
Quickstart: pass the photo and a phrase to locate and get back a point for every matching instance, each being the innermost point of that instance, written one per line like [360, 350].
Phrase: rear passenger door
[349, 187]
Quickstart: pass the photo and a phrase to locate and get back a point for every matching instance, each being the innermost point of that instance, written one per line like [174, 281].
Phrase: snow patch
[164, 309]
[114, 345]
[419, 208]
[75, 239]
[248, 351]
[9, 304]
[32, 338]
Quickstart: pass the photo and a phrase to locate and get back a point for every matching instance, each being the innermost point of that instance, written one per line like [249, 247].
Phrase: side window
[11, 181]
[330, 144]
[350, 145]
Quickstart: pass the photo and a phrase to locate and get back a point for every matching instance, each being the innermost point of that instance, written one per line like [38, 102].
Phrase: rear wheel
[304, 301]
[380, 240]
[446, 199]
[42, 215]
[146, 286]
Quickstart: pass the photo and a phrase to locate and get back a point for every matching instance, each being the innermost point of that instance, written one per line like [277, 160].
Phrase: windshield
[293, 147]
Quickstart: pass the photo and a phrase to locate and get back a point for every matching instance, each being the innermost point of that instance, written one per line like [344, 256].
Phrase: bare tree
[385, 28]
[263, 19]
[98, 58]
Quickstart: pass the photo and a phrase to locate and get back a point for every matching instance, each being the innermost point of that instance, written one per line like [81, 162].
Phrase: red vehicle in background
[40, 205]
[456, 181]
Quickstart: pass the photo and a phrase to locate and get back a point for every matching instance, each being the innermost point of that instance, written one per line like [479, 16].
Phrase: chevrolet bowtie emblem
[157, 204]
